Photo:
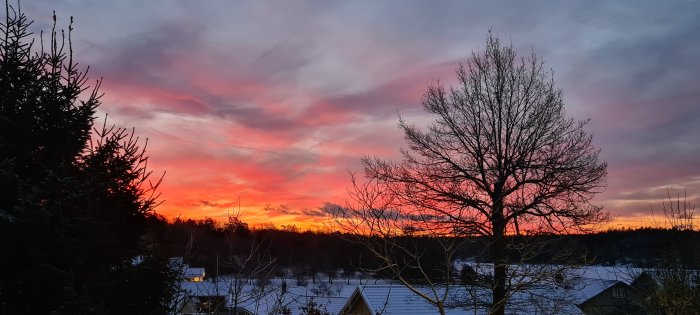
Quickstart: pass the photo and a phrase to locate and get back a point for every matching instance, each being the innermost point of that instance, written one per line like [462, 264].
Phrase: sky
[262, 108]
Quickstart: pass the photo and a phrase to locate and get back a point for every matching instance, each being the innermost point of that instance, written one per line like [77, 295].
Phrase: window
[618, 293]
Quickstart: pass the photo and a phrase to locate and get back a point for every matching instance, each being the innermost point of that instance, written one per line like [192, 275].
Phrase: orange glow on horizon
[265, 215]
[259, 216]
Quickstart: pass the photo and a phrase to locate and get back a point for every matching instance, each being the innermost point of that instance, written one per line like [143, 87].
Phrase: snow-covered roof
[688, 276]
[586, 288]
[394, 299]
[387, 298]
[204, 288]
[246, 294]
[398, 299]
[190, 272]
[294, 298]
[624, 274]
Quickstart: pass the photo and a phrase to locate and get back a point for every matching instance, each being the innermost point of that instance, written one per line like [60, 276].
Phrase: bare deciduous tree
[400, 242]
[500, 158]
[672, 286]
[249, 262]
[678, 214]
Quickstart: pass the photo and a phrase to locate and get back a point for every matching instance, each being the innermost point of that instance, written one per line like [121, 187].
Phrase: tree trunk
[499, 264]
[441, 308]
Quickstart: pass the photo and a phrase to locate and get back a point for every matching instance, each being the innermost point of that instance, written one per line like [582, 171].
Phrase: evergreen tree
[73, 205]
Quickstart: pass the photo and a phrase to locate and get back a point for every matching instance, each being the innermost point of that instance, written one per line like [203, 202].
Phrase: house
[193, 274]
[600, 296]
[188, 273]
[573, 295]
[201, 297]
[645, 283]
[246, 297]
[650, 280]
[582, 296]
[672, 290]
[397, 299]
[388, 300]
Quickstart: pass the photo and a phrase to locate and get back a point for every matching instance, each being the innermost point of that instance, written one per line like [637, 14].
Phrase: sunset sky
[273, 102]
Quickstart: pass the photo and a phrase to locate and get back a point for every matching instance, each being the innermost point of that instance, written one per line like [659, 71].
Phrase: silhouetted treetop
[74, 204]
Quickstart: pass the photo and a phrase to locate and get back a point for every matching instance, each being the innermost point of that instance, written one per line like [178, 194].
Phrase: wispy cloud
[274, 101]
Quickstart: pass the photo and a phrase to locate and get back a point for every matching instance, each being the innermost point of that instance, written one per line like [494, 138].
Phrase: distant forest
[336, 255]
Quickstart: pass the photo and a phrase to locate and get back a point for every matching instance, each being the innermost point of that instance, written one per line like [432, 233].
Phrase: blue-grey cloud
[319, 74]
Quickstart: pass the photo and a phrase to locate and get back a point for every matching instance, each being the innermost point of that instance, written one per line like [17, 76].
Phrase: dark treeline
[205, 243]
[336, 255]
[645, 247]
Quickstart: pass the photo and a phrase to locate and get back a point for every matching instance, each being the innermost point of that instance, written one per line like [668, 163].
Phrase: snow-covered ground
[278, 293]
[544, 296]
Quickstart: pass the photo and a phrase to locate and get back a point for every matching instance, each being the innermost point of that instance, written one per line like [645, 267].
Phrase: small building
[600, 297]
[193, 274]
[202, 297]
[245, 297]
[584, 296]
[389, 300]
[226, 295]
[645, 284]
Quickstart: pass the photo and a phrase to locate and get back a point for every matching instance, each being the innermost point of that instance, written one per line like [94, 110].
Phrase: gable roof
[293, 299]
[388, 299]
[255, 300]
[391, 299]
[397, 299]
[191, 272]
[585, 289]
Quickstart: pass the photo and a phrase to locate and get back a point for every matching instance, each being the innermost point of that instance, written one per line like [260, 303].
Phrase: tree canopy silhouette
[74, 204]
[500, 157]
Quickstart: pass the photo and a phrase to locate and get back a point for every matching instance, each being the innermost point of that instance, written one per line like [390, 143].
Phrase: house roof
[190, 272]
[544, 298]
[293, 299]
[204, 288]
[688, 276]
[397, 299]
[329, 297]
[586, 288]
[393, 299]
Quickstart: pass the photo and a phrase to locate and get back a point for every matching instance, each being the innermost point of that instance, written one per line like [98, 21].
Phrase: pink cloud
[236, 107]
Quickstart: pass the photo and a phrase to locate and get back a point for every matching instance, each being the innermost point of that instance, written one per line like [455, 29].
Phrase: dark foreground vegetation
[76, 197]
